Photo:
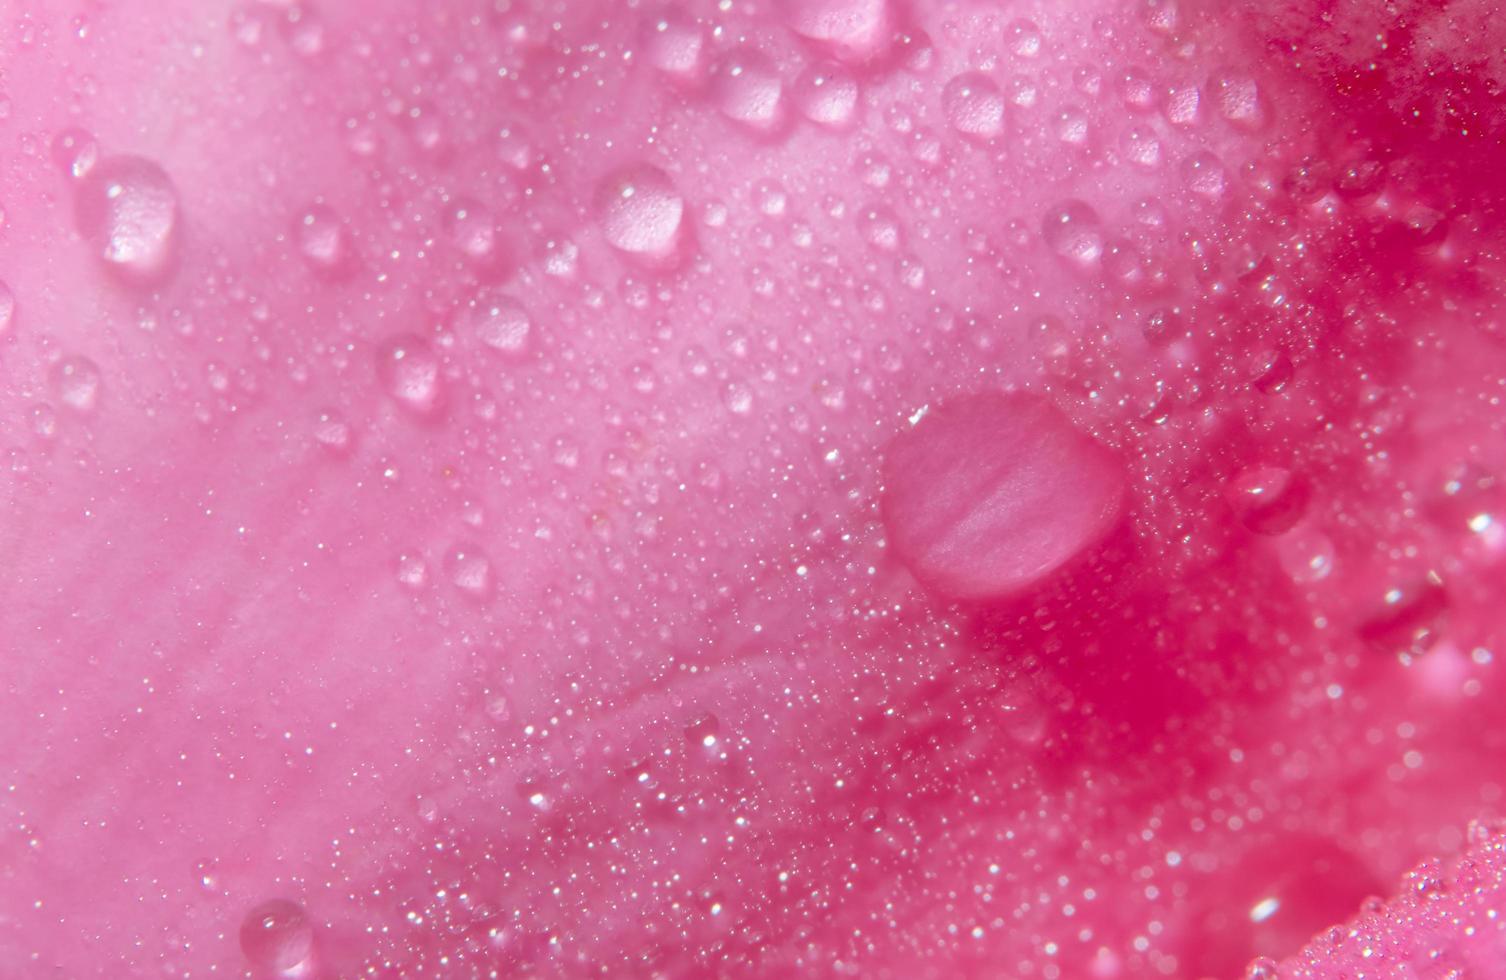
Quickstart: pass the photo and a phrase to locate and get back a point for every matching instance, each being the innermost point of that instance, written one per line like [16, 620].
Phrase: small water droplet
[76, 381]
[75, 151]
[278, 939]
[470, 571]
[497, 320]
[1023, 38]
[332, 432]
[848, 30]
[7, 311]
[127, 208]
[1262, 968]
[322, 240]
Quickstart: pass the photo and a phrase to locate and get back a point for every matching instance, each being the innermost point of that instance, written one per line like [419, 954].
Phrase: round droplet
[322, 241]
[1072, 230]
[1306, 555]
[748, 90]
[497, 320]
[986, 496]
[76, 382]
[1267, 499]
[848, 30]
[674, 43]
[332, 432]
[974, 106]
[278, 940]
[641, 213]
[409, 371]
[75, 151]
[128, 211]
[827, 95]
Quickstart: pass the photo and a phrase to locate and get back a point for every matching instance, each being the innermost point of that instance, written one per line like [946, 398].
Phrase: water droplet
[409, 371]
[1262, 968]
[412, 572]
[128, 210]
[470, 571]
[1183, 105]
[848, 30]
[473, 229]
[1305, 555]
[674, 43]
[7, 311]
[1239, 100]
[974, 106]
[1023, 38]
[1141, 147]
[747, 89]
[323, 242]
[75, 151]
[278, 939]
[1267, 499]
[332, 432]
[1205, 175]
[1071, 229]
[497, 320]
[827, 95]
[77, 382]
[641, 213]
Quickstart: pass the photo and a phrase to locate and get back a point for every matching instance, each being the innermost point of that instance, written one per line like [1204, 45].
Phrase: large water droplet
[278, 940]
[747, 89]
[641, 213]
[1071, 229]
[849, 30]
[827, 95]
[674, 43]
[974, 106]
[409, 371]
[127, 209]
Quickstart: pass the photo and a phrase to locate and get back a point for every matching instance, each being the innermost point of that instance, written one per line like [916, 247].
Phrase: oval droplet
[323, 242]
[848, 30]
[76, 382]
[1267, 499]
[127, 208]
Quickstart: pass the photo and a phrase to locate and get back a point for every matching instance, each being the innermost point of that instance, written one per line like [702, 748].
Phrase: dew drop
[1072, 230]
[674, 44]
[1239, 101]
[974, 106]
[7, 311]
[1205, 175]
[497, 320]
[746, 87]
[827, 95]
[1267, 499]
[127, 208]
[1023, 38]
[75, 151]
[409, 371]
[76, 382]
[470, 571]
[332, 432]
[641, 213]
[278, 939]
[848, 30]
[323, 242]
[473, 230]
